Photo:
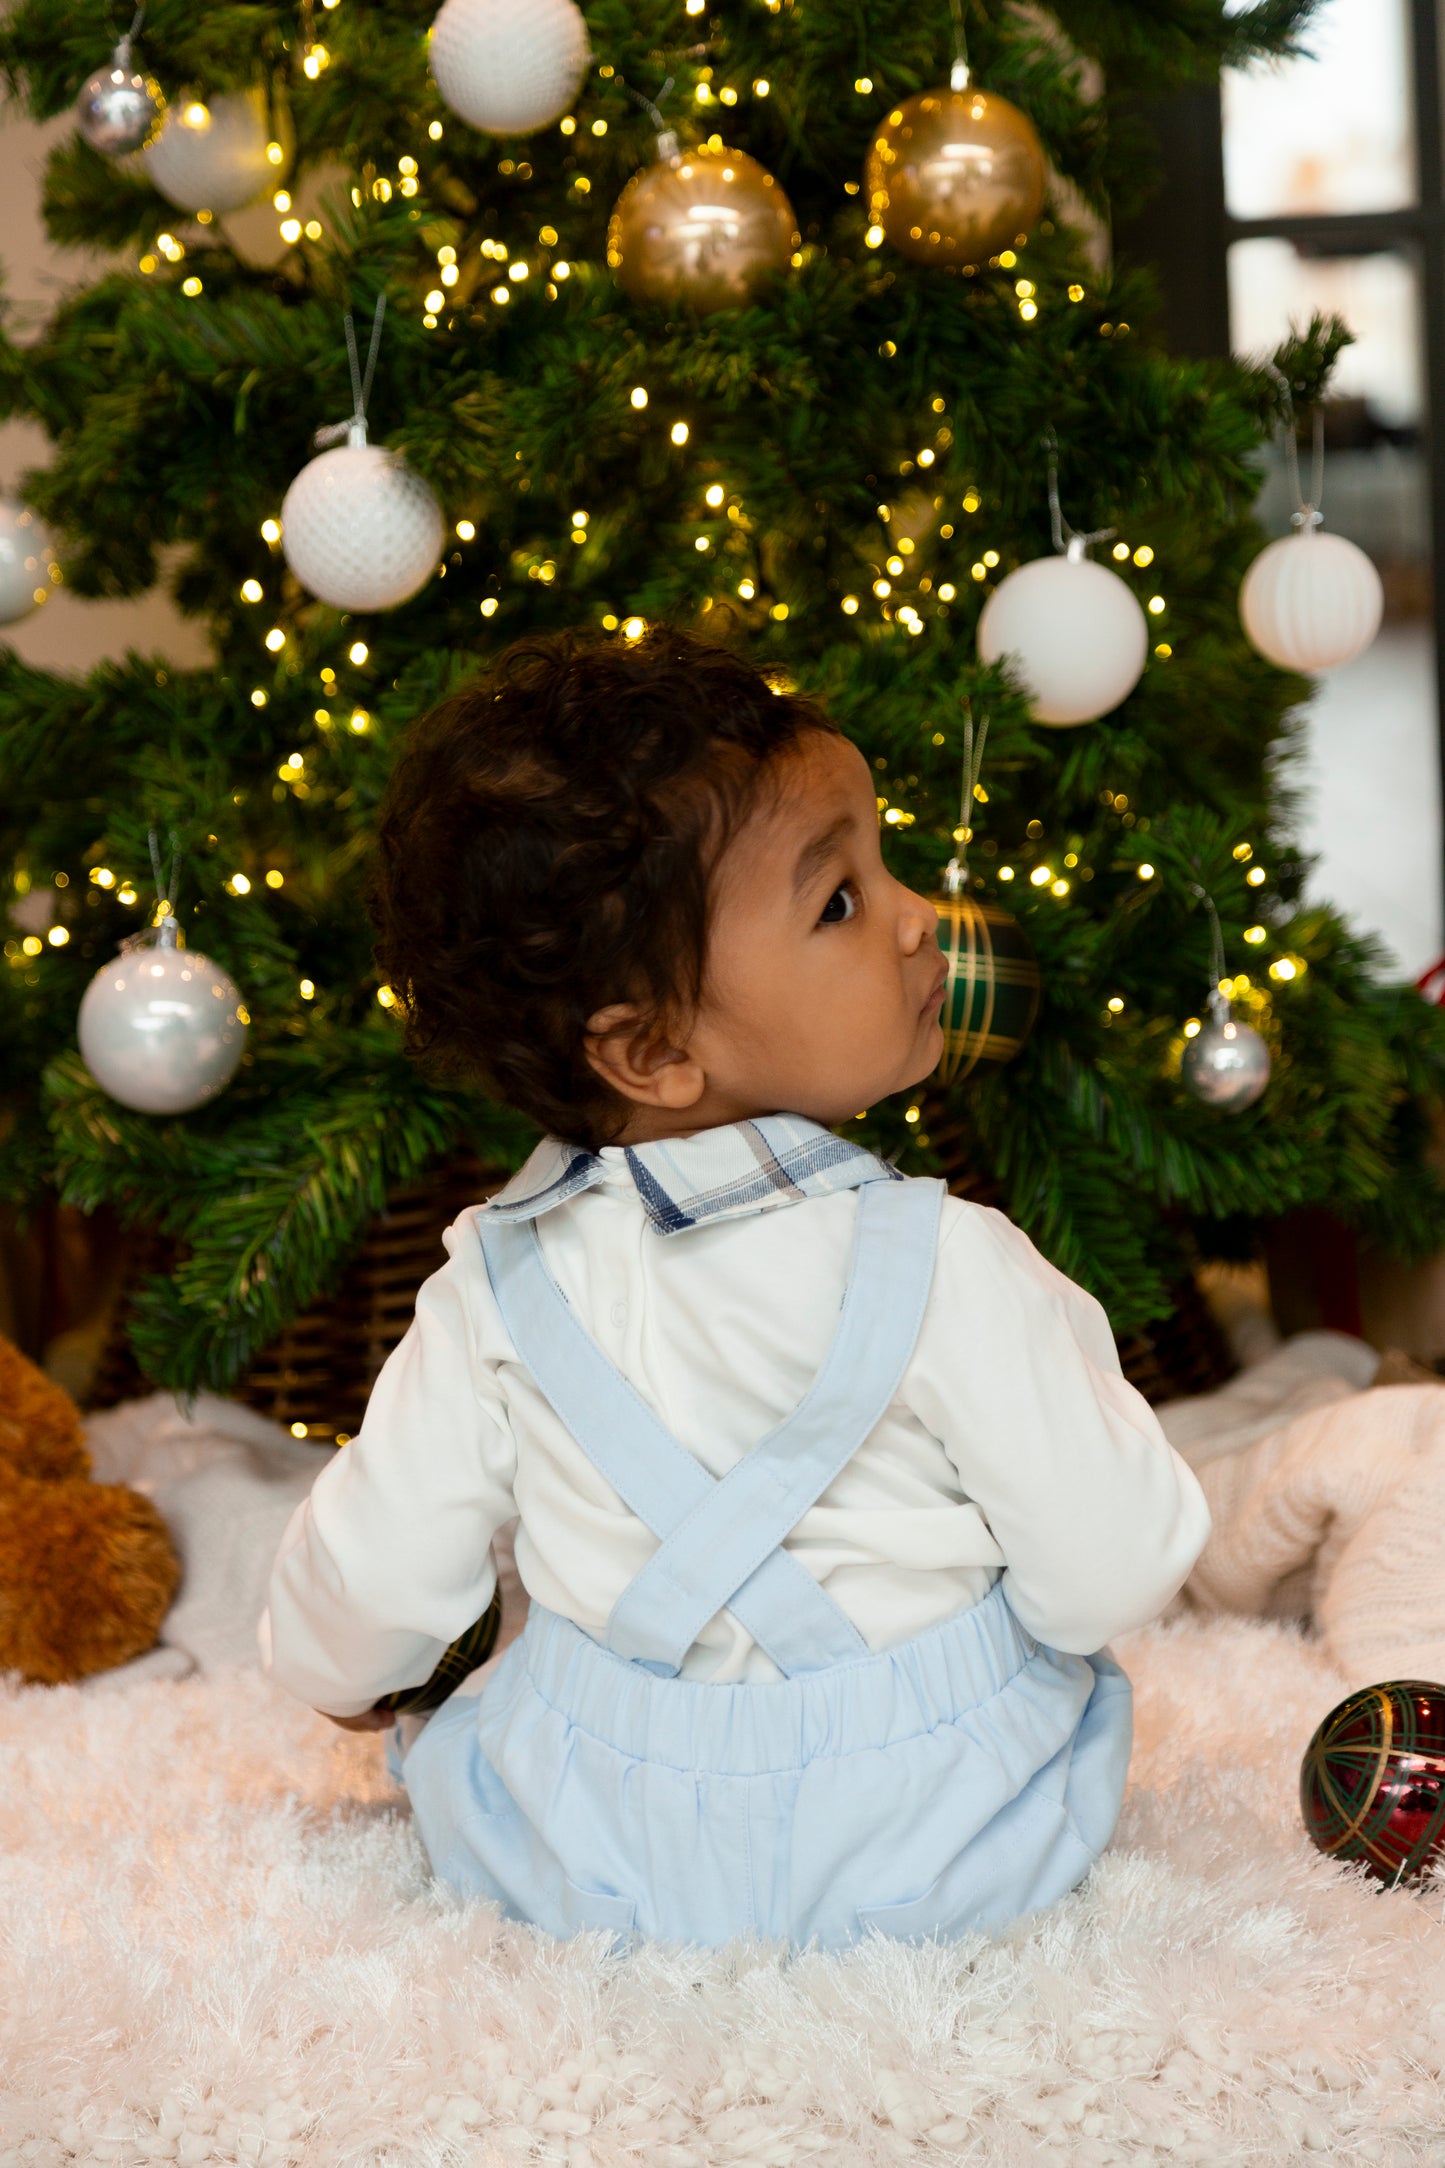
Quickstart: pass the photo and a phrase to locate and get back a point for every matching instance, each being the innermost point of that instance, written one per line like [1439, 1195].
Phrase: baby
[829, 1490]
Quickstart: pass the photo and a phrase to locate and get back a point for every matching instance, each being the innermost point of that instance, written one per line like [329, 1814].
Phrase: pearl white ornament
[213, 155]
[509, 66]
[26, 561]
[1074, 632]
[359, 529]
[1311, 601]
[162, 1028]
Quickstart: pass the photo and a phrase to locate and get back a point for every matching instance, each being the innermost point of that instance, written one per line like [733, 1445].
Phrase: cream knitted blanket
[1328, 1497]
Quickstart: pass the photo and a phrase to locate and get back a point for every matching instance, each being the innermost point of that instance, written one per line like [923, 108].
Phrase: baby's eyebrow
[815, 855]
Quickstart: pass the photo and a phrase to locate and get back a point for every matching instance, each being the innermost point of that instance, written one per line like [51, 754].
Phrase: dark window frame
[1185, 233]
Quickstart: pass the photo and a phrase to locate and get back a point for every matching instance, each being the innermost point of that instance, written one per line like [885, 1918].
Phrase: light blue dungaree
[951, 1782]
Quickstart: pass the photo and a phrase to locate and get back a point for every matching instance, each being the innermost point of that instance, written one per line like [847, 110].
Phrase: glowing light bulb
[639, 397]
[358, 651]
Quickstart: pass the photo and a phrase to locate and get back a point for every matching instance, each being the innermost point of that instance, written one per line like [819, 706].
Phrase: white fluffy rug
[218, 1944]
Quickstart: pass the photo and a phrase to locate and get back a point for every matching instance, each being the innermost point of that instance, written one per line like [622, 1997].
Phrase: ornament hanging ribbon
[1068, 542]
[164, 930]
[955, 873]
[959, 73]
[1218, 999]
[121, 57]
[667, 145]
[1308, 512]
[354, 431]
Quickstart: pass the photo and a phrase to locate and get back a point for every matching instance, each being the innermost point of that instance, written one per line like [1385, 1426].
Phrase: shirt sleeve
[1017, 1374]
[389, 1559]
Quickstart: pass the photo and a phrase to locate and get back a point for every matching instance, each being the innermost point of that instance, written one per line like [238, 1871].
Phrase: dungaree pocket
[582, 1909]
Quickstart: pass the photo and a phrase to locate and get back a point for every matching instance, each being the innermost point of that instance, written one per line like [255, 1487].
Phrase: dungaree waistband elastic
[747, 1728]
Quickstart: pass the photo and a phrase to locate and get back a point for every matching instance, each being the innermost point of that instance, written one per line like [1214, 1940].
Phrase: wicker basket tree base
[318, 1375]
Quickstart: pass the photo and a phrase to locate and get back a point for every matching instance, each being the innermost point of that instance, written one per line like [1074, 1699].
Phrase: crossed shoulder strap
[720, 1540]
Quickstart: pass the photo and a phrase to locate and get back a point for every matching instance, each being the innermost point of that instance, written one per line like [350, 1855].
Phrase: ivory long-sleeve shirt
[710, 1270]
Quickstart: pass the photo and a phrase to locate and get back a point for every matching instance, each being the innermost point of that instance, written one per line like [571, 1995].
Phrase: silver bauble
[359, 529]
[162, 1028]
[1225, 1064]
[120, 110]
[26, 562]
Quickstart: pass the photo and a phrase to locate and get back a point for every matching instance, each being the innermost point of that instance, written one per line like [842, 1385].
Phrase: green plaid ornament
[1372, 1787]
[992, 996]
[470, 1649]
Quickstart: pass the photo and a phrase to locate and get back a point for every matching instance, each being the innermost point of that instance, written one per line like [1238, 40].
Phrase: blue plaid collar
[691, 1181]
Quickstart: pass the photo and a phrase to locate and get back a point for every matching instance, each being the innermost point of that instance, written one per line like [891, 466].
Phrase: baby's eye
[832, 914]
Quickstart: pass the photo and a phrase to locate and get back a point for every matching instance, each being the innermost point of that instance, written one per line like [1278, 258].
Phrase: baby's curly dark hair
[546, 847]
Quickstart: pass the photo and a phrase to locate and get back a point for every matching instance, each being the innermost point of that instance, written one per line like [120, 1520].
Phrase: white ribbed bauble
[25, 561]
[162, 1029]
[1075, 633]
[1311, 601]
[509, 66]
[359, 529]
[213, 154]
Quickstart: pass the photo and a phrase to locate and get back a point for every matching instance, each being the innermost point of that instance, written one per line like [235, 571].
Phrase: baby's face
[824, 977]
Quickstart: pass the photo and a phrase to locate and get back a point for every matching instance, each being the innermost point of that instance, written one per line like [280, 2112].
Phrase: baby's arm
[389, 1559]
[1018, 1375]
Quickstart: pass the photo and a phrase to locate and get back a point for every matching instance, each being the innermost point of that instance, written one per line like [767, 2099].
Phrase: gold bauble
[954, 176]
[703, 227]
[992, 996]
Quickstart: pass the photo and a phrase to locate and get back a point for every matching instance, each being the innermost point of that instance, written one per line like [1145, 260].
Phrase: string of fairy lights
[473, 277]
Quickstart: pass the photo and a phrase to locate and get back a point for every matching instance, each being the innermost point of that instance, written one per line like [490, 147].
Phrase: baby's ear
[634, 1056]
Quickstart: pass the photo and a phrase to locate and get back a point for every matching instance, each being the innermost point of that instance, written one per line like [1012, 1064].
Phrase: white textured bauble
[1074, 632]
[359, 529]
[509, 66]
[216, 154]
[1311, 601]
[26, 561]
[162, 1029]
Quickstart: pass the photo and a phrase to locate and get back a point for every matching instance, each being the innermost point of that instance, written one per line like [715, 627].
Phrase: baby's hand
[369, 1720]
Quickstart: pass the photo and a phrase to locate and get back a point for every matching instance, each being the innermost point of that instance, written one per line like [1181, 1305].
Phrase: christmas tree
[835, 472]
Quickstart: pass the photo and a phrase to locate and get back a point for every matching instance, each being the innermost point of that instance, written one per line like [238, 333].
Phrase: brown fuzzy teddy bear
[87, 1570]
